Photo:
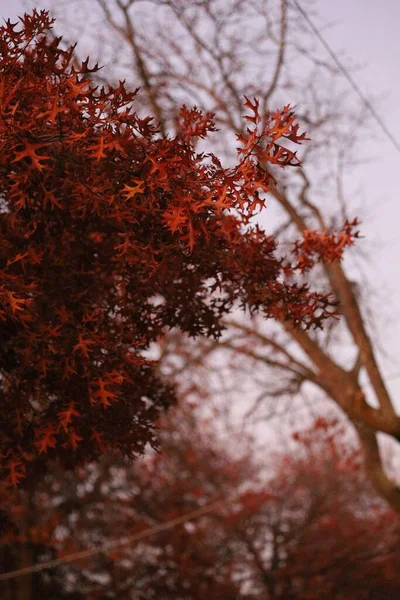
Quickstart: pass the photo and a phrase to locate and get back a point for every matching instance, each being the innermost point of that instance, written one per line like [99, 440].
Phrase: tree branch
[374, 468]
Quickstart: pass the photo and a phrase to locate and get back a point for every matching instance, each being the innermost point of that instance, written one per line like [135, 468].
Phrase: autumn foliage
[306, 528]
[110, 235]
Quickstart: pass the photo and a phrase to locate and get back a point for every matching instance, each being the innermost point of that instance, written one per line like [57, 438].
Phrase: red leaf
[65, 416]
[45, 439]
[30, 152]
[83, 345]
[74, 439]
[16, 471]
[16, 304]
[101, 394]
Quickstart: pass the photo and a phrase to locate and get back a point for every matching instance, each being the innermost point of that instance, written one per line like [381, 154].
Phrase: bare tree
[210, 53]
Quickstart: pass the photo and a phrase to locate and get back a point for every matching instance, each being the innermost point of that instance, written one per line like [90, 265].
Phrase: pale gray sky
[365, 34]
[367, 31]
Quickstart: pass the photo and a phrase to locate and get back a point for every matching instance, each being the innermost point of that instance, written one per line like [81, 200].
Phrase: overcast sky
[367, 32]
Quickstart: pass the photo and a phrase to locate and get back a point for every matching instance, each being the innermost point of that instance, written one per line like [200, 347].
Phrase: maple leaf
[16, 304]
[65, 416]
[98, 439]
[130, 191]
[83, 345]
[283, 121]
[115, 377]
[97, 150]
[254, 107]
[30, 152]
[102, 395]
[17, 471]
[68, 369]
[78, 87]
[125, 246]
[49, 198]
[74, 438]
[158, 167]
[175, 218]
[45, 439]
[56, 108]
[221, 202]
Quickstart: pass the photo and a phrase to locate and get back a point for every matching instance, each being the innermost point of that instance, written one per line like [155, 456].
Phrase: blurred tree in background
[308, 527]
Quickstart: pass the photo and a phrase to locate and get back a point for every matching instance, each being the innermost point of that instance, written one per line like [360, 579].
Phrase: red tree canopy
[110, 234]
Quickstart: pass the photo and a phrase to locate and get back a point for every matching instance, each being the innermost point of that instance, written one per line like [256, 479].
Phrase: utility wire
[347, 75]
[116, 543]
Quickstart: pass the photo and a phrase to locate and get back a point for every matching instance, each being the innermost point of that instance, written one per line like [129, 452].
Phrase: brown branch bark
[350, 310]
[128, 33]
[384, 486]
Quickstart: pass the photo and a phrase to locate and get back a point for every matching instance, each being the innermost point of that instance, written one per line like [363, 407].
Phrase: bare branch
[130, 36]
[281, 56]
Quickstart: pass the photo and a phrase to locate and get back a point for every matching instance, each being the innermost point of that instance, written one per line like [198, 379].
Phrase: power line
[116, 543]
[349, 77]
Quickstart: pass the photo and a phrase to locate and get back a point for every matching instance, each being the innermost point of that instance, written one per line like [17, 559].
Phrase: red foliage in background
[310, 527]
[110, 234]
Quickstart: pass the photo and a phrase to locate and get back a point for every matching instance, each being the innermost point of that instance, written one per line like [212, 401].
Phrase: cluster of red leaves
[324, 246]
[110, 234]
